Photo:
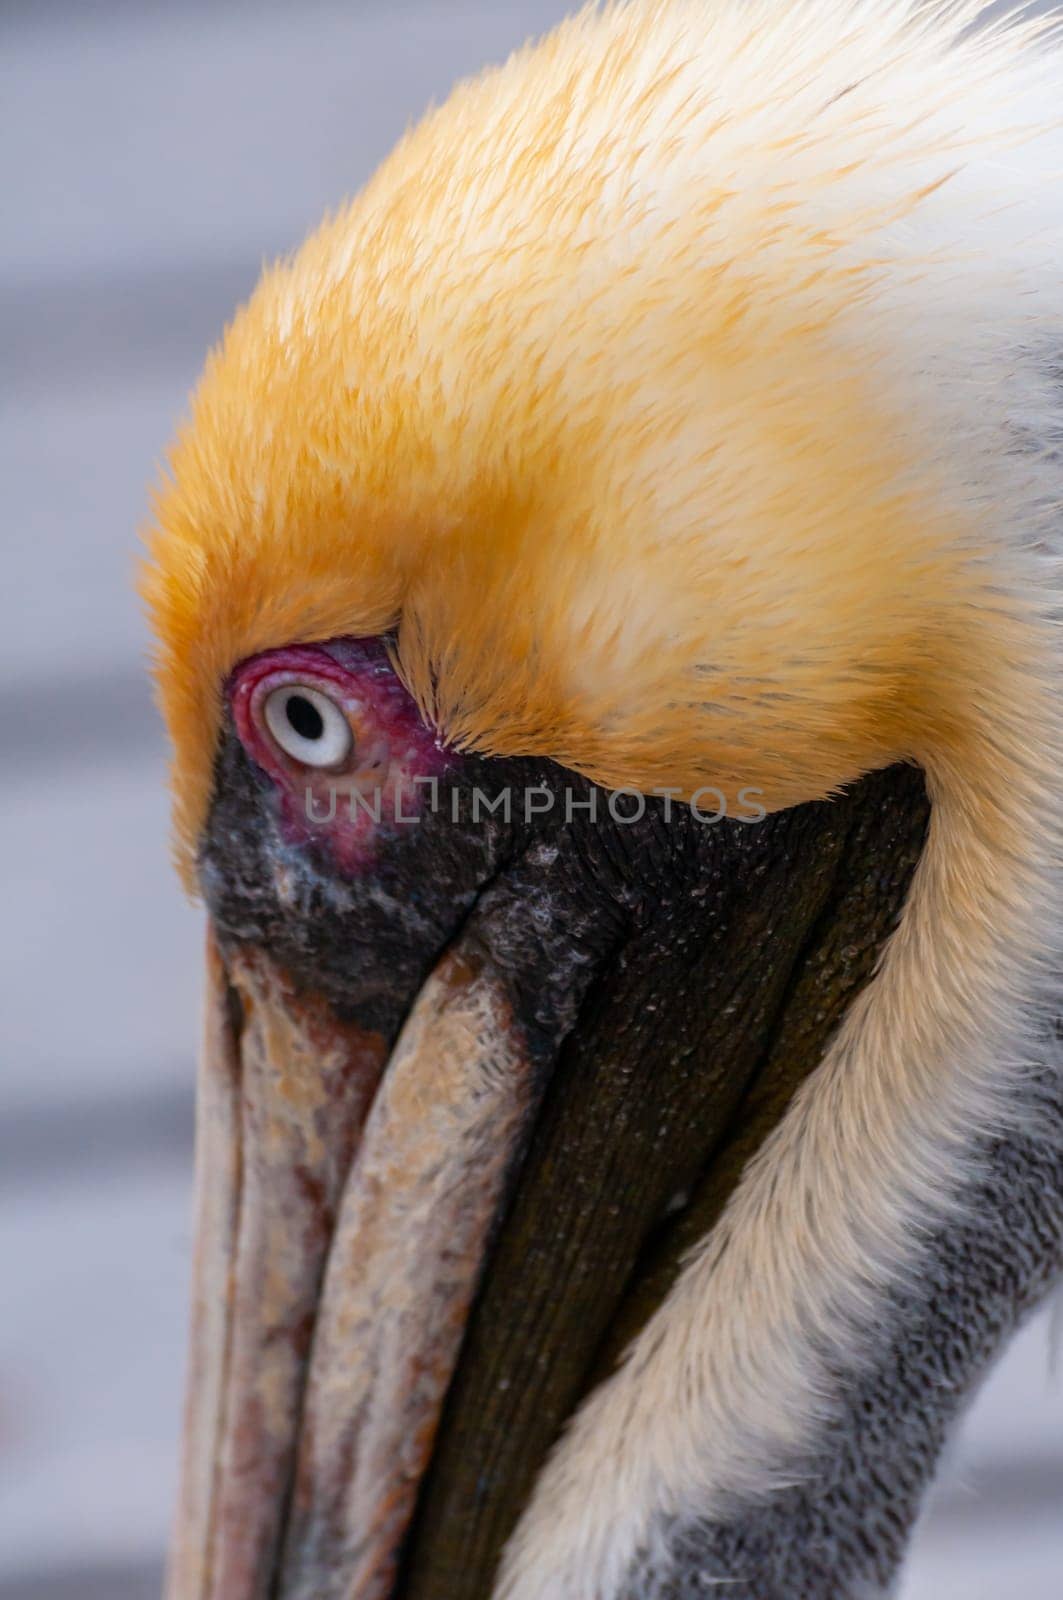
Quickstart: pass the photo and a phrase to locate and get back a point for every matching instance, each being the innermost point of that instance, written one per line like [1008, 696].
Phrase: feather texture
[685, 393]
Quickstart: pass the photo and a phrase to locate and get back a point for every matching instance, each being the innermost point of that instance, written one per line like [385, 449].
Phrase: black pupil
[304, 717]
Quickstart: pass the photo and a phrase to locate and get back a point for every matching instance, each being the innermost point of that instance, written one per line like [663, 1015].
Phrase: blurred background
[153, 155]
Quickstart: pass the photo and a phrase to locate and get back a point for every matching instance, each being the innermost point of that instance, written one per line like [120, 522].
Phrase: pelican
[606, 595]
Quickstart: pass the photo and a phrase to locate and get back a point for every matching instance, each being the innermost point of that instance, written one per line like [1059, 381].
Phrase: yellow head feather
[601, 394]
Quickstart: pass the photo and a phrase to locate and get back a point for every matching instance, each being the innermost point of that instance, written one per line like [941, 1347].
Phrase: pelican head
[642, 426]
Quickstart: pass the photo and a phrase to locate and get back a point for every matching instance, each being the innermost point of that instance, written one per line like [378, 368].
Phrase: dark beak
[584, 1034]
[345, 1196]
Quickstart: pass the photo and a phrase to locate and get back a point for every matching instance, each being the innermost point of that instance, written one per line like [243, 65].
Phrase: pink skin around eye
[376, 784]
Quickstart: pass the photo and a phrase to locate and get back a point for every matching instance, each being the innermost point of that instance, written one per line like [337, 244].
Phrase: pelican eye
[308, 726]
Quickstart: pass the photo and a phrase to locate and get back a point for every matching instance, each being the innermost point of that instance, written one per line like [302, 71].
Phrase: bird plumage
[683, 397]
[632, 333]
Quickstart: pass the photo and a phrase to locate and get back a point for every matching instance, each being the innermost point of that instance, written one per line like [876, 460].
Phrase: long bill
[345, 1197]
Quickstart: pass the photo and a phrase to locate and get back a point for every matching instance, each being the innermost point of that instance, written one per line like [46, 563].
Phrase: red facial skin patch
[386, 778]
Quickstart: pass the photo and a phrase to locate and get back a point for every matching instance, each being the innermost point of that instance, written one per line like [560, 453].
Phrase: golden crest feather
[603, 395]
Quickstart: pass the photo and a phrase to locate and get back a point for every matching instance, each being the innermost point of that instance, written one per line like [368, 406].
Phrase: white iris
[308, 726]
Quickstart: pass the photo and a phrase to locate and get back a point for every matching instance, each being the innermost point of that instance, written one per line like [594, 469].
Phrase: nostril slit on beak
[234, 1013]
